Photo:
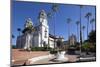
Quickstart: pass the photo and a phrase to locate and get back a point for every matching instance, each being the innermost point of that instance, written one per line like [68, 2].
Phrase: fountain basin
[60, 57]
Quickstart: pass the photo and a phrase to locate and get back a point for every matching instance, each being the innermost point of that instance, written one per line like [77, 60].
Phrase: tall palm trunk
[54, 32]
[80, 30]
[77, 33]
[19, 30]
[54, 9]
[83, 32]
[87, 25]
[91, 22]
[69, 33]
[83, 36]
[77, 23]
[92, 26]
[88, 21]
[68, 22]
[95, 25]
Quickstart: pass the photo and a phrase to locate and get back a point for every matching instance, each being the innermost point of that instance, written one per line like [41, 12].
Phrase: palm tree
[80, 29]
[83, 27]
[77, 23]
[88, 19]
[13, 36]
[54, 9]
[19, 30]
[12, 41]
[68, 22]
[49, 15]
[91, 22]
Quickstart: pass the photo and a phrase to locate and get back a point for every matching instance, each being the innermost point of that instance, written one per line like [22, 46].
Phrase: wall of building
[51, 42]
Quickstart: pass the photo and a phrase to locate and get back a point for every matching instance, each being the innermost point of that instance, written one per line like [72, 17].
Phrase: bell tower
[44, 29]
[43, 17]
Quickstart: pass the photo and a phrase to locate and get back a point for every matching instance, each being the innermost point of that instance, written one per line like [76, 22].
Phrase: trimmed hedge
[13, 46]
[53, 51]
[41, 48]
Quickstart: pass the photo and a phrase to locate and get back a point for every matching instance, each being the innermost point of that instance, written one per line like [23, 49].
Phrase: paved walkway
[72, 58]
[20, 57]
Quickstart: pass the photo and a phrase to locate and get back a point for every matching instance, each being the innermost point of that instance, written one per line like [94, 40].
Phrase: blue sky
[23, 10]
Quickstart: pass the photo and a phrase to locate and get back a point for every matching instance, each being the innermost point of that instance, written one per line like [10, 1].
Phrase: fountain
[60, 57]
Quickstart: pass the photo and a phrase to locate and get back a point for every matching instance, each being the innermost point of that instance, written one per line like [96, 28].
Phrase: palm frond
[55, 7]
[92, 20]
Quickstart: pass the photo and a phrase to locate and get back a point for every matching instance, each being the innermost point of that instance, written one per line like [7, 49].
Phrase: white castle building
[40, 37]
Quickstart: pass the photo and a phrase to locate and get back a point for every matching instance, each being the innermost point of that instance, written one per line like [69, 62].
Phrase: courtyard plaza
[21, 57]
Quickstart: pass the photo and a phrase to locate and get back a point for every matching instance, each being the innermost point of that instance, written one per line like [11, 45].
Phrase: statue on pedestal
[60, 56]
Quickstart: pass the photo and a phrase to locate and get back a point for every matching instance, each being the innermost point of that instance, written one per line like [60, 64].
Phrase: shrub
[89, 47]
[13, 46]
[85, 47]
[53, 51]
[36, 48]
[41, 48]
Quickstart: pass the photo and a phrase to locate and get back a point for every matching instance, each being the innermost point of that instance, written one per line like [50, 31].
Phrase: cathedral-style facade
[39, 37]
